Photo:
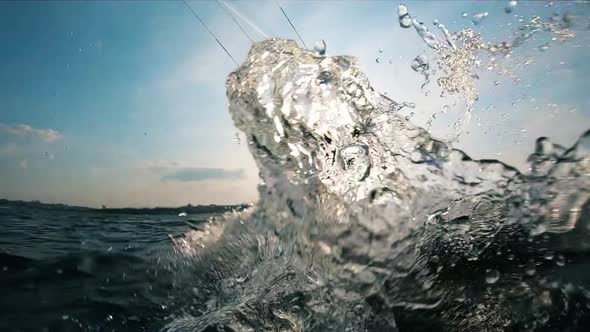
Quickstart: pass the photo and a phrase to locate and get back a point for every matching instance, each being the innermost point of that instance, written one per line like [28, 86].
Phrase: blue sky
[123, 103]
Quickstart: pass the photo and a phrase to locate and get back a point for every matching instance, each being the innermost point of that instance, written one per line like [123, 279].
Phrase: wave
[367, 223]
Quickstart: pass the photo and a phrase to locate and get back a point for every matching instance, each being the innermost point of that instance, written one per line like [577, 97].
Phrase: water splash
[428, 37]
[365, 221]
[459, 60]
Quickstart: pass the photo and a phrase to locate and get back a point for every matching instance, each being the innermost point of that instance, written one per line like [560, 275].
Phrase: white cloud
[24, 130]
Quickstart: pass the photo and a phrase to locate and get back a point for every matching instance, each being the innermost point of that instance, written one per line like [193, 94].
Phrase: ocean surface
[64, 270]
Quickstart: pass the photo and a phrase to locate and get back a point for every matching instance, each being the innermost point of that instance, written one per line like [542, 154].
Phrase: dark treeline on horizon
[189, 209]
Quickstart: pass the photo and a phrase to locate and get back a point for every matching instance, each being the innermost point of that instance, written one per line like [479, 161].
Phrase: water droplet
[380, 50]
[510, 6]
[549, 255]
[378, 60]
[544, 47]
[477, 18]
[496, 82]
[320, 47]
[435, 22]
[4, 268]
[530, 268]
[492, 276]
[464, 14]
[80, 50]
[390, 61]
[420, 64]
[64, 317]
[59, 271]
[109, 318]
[403, 17]
[560, 260]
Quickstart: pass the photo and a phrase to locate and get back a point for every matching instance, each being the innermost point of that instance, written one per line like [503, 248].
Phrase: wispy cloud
[24, 130]
[181, 172]
[201, 174]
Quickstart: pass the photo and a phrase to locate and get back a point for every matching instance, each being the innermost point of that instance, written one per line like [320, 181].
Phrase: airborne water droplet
[492, 276]
[435, 22]
[464, 14]
[378, 60]
[477, 18]
[320, 47]
[420, 64]
[510, 6]
[405, 21]
[380, 50]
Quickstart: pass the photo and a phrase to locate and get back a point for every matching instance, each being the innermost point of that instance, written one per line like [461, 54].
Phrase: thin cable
[211, 33]
[292, 26]
[234, 19]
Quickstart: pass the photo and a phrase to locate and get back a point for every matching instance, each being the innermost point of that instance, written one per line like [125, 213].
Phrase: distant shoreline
[188, 209]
